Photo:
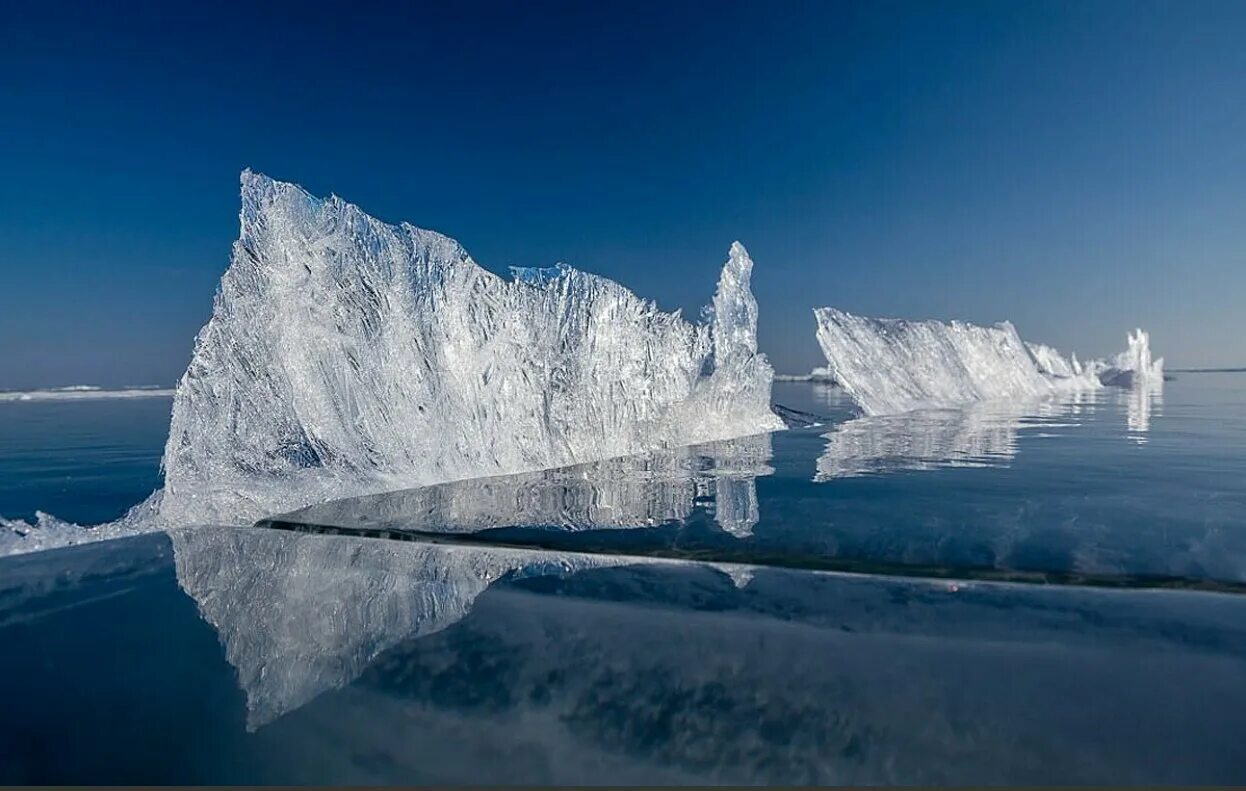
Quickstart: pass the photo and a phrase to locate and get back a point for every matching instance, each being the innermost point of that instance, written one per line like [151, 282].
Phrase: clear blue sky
[1078, 168]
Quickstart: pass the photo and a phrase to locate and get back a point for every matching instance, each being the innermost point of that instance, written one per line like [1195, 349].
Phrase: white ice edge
[83, 393]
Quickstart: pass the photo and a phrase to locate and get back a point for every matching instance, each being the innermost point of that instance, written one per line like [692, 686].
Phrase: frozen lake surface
[1026, 593]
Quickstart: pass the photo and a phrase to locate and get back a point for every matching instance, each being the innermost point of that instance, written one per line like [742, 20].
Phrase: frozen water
[645, 489]
[891, 366]
[1134, 366]
[338, 603]
[346, 356]
[1052, 363]
[894, 365]
[48, 532]
[981, 434]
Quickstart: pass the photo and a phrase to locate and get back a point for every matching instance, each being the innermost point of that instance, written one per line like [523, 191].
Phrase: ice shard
[1134, 366]
[345, 355]
[1052, 363]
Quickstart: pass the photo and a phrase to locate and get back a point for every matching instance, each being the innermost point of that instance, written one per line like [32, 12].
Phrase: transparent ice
[346, 356]
[892, 366]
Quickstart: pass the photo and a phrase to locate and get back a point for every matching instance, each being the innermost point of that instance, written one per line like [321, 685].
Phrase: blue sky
[1078, 168]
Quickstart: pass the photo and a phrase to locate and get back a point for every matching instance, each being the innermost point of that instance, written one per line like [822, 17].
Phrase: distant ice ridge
[346, 356]
[891, 366]
[83, 393]
[817, 374]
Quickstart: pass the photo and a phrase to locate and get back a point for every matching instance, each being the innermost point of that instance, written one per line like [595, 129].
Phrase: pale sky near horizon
[1076, 168]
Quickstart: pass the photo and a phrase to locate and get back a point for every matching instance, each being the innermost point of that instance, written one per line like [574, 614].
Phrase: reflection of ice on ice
[301, 614]
[979, 435]
[1140, 401]
[625, 492]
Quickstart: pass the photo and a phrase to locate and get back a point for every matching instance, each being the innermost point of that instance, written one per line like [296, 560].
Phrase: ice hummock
[346, 356]
[895, 365]
[84, 393]
[892, 366]
[1134, 366]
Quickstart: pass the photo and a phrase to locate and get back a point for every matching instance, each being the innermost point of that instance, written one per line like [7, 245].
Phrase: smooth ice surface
[346, 356]
[340, 604]
[642, 490]
[383, 662]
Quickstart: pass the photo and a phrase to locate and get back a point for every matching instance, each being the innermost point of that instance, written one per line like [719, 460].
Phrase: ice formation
[817, 374]
[1051, 363]
[346, 356]
[1134, 366]
[83, 393]
[891, 366]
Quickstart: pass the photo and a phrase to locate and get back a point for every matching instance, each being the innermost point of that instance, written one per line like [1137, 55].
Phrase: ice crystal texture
[641, 490]
[895, 365]
[892, 366]
[345, 355]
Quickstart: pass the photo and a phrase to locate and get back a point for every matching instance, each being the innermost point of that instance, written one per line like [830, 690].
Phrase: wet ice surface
[1058, 490]
[653, 618]
[268, 656]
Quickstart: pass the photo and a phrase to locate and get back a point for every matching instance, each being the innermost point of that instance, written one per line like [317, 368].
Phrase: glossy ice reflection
[627, 492]
[978, 435]
[331, 605]
[431, 658]
[1142, 400]
[984, 434]
[1051, 491]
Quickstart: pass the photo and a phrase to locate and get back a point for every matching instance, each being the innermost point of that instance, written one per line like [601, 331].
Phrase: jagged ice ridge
[890, 366]
[346, 356]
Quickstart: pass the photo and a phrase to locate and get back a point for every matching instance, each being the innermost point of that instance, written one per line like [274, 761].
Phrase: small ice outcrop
[819, 373]
[1054, 364]
[49, 532]
[1134, 366]
[83, 393]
